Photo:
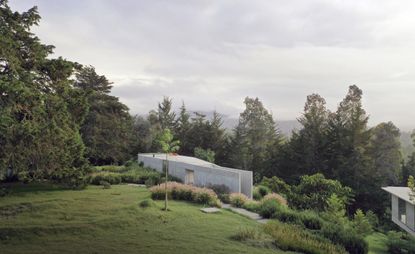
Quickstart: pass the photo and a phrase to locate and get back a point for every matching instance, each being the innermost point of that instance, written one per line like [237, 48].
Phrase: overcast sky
[212, 54]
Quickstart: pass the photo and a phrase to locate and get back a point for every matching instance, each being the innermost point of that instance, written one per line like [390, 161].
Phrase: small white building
[403, 210]
[199, 172]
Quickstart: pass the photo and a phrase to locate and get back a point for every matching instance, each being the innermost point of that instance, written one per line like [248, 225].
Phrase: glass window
[402, 211]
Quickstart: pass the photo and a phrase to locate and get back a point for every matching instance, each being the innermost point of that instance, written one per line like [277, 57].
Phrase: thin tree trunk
[165, 183]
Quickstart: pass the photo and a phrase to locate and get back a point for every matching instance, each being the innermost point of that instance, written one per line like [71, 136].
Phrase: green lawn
[377, 243]
[39, 219]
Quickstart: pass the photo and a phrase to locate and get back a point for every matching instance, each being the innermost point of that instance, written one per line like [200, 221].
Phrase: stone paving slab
[246, 213]
[210, 210]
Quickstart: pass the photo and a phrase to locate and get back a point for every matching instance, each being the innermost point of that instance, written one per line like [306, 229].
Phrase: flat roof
[189, 160]
[400, 192]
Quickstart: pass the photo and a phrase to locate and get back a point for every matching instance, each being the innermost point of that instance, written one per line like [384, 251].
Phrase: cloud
[212, 54]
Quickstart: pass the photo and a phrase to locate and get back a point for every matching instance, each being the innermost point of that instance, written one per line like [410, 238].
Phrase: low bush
[252, 205]
[178, 191]
[278, 198]
[146, 203]
[238, 199]
[111, 168]
[351, 241]
[111, 178]
[244, 234]
[260, 191]
[222, 191]
[293, 238]
[399, 243]
[268, 208]
[276, 185]
[105, 184]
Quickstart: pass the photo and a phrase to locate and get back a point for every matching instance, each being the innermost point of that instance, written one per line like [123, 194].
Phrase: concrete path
[246, 213]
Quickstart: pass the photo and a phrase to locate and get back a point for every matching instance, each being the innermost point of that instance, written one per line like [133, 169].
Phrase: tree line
[57, 117]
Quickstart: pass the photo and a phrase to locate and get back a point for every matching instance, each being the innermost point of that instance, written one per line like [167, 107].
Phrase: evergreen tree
[183, 127]
[348, 148]
[307, 148]
[385, 151]
[166, 115]
[39, 126]
[255, 138]
[108, 128]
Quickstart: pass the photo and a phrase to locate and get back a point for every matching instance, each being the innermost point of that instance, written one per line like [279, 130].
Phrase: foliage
[222, 191]
[178, 191]
[268, 208]
[40, 112]
[255, 139]
[306, 153]
[146, 203]
[335, 210]
[385, 151]
[400, 243]
[352, 242]
[238, 199]
[105, 184]
[244, 234]
[411, 186]
[276, 185]
[294, 238]
[252, 205]
[207, 155]
[260, 191]
[274, 196]
[361, 224]
[313, 192]
[111, 178]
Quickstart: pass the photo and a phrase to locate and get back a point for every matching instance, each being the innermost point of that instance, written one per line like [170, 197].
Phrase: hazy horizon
[211, 55]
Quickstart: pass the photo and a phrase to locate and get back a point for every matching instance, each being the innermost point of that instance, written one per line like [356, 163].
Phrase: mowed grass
[46, 219]
[377, 243]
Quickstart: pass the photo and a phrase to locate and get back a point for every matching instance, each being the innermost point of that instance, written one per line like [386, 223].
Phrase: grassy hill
[47, 219]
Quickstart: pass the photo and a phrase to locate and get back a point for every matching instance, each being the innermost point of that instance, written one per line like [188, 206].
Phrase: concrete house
[403, 209]
[199, 172]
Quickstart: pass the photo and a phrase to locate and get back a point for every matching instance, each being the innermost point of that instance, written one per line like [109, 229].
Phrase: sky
[212, 54]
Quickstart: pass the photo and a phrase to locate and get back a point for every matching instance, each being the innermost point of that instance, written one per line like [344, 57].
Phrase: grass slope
[39, 219]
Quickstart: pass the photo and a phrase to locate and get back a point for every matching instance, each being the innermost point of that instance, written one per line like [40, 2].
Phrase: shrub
[399, 243]
[268, 208]
[260, 191]
[314, 191]
[278, 198]
[178, 191]
[112, 168]
[361, 223]
[351, 241]
[256, 195]
[238, 199]
[276, 185]
[244, 234]
[293, 238]
[111, 178]
[146, 203]
[222, 191]
[311, 220]
[105, 184]
[252, 205]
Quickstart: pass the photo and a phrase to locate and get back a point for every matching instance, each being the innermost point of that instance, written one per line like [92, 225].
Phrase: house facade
[403, 208]
[199, 172]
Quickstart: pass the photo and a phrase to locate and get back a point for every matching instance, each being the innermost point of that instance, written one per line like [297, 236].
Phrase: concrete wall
[235, 180]
[410, 215]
